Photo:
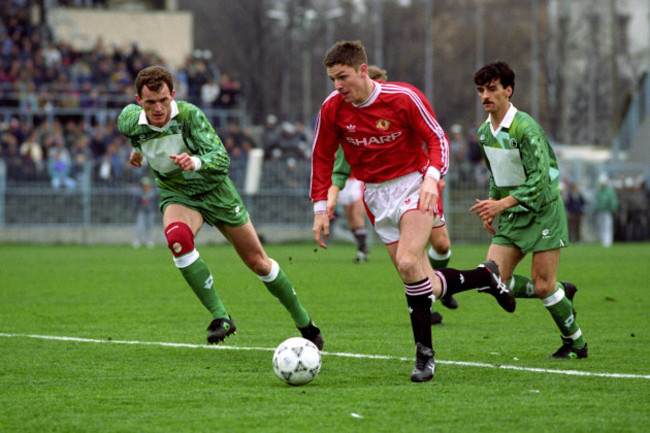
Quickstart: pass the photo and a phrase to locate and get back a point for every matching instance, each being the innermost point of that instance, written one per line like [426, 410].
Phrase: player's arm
[323, 155]
[332, 198]
[209, 153]
[127, 124]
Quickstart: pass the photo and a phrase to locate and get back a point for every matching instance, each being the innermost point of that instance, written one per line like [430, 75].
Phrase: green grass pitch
[110, 339]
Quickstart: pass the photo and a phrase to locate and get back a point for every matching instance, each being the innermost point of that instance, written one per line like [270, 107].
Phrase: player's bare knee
[407, 264]
[259, 264]
[442, 248]
[543, 288]
[180, 238]
[267, 270]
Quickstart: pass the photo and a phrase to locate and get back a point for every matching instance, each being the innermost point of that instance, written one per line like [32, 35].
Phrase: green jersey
[606, 199]
[521, 161]
[188, 131]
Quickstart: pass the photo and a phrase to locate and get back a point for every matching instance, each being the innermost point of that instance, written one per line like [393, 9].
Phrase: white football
[296, 361]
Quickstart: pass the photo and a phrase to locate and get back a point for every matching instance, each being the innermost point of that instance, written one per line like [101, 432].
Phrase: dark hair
[153, 77]
[496, 70]
[348, 53]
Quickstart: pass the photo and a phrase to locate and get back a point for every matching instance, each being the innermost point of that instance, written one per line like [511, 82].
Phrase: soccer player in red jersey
[381, 128]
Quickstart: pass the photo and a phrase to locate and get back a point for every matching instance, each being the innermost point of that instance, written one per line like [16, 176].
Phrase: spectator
[575, 205]
[13, 160]
[238, 159]
[60, 166]
[481, 174]
[104, 171]
[636, 205]
[197, 76]
[29, 97]
[291, 177]
[52, 56]
[209, 93]
[270, 135]
[288, 142]
[458, 151]
[605, 205]
[146, 209]
[81, 154]
[230, 92]
[32, 153]
[303, 141]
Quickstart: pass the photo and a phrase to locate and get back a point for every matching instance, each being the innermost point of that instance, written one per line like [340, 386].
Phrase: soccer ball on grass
[296, 361]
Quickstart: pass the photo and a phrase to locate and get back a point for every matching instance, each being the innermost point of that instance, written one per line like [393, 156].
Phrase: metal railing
[280, 210]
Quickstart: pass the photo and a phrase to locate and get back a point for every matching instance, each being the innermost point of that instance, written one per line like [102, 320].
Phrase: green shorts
[220, 205]
[534, 231]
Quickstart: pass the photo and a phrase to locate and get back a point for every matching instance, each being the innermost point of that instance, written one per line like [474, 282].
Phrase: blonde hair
[376, 73]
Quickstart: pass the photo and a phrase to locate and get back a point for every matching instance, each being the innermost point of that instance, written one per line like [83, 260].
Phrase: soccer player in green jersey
[524, 192]
[190, 166]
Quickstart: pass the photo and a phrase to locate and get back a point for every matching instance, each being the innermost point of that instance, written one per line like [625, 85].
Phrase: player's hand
[487, 225]
[321, 228]
[332, 197]
[135, 158]
[487, 210]
[428, 195]
[183, 160]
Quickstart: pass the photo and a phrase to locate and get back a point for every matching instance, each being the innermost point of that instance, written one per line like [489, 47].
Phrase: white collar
[144, 121]
[373, 96]
[507, 120]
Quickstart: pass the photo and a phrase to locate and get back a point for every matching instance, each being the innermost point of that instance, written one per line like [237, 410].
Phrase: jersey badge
[514, 144]
[382, 124]
[351, 128]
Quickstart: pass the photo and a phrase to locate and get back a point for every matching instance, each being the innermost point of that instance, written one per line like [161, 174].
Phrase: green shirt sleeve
[127, 123]
[341, 170]
[203, 140]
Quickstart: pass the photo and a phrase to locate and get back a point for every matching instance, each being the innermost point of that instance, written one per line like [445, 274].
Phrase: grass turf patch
[104, 293]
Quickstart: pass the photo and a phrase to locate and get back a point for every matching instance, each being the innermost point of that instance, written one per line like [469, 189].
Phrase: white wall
[170, 34]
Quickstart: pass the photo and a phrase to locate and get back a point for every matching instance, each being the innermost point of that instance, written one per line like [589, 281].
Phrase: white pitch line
[339, 354]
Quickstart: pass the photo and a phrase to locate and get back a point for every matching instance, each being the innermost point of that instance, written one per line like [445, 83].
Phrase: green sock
[279, 285]
[438, 261]
[522, 286]
[561, 310]
[200, 280]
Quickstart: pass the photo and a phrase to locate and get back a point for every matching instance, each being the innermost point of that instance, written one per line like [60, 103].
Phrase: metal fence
[94, 213]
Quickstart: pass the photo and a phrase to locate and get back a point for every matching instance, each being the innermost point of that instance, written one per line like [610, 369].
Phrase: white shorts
[353, 191]
[387, 202]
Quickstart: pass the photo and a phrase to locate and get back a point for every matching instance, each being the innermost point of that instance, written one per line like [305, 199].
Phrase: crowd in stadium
[55, 83]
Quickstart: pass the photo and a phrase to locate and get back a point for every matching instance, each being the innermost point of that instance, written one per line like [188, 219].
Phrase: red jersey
[381, 138]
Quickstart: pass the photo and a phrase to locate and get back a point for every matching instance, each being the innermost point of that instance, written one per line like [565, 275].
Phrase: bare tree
[583, 74]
